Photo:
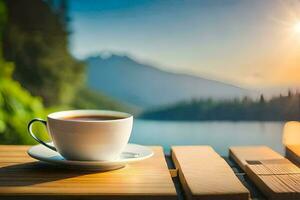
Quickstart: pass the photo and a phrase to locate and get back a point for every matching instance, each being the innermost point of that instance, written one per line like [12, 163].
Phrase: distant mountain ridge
[147, 86]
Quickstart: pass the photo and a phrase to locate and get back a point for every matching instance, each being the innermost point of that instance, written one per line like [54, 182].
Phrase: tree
[261, 99]
[290, 93]
[278, 108]
[36, 40]
[17, 106]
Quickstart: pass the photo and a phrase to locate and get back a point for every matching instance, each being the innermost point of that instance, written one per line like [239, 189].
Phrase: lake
[219, 135]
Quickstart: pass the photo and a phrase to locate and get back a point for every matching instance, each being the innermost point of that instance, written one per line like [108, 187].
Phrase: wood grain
[275, 176]
[252, 153]
[22, 176]
[206, 175]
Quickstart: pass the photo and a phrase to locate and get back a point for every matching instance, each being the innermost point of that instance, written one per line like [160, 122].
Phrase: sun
[297, 27]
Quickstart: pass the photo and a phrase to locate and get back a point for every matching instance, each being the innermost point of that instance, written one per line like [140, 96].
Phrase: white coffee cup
[87, 140]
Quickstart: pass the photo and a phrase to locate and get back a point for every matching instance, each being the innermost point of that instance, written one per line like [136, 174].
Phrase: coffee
[87, 135]
[92, 118]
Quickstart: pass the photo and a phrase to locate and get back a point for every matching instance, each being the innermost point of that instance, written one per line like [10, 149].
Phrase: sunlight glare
[297, 27]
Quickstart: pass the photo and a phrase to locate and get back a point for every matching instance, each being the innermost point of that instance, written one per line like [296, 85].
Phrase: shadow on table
[32, 173]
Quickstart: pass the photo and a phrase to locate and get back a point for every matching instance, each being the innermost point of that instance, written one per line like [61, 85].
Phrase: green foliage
[36, 40]
[279, 108]
[17, 108]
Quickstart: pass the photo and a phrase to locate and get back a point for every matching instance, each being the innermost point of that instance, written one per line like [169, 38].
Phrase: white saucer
[132, 153]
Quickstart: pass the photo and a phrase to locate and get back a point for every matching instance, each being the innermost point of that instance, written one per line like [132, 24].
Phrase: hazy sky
[250, 43]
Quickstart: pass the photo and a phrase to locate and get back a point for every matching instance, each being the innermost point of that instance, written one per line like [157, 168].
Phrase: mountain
[146, 86]
[87, 98]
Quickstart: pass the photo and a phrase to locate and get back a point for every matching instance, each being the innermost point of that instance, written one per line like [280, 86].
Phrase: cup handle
[29, 127]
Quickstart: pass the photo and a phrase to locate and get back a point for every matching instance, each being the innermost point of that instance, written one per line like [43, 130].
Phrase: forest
[279, 108]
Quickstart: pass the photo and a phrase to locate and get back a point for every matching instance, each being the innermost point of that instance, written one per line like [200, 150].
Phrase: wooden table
[203, 175]
[22, 177]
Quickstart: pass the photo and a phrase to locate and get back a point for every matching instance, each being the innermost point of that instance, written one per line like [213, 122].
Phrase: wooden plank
[292, 152]
[291, 133]
[205, 175]
[291, 141]
[22, 176]
[275, 176]
[272, 187]
[242, 155]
